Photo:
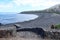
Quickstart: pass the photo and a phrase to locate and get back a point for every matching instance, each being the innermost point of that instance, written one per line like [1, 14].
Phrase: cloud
[6, 6]
[20, 5]
[36, 3]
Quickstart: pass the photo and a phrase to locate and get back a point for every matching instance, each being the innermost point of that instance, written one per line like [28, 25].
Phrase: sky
[26, 5]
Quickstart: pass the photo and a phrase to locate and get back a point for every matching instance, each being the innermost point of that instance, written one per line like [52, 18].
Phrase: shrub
[57, 26]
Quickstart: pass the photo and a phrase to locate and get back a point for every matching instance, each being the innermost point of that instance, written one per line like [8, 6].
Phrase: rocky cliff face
[54, 9]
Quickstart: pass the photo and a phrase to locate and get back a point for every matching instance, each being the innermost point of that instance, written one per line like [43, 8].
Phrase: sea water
[10, 17]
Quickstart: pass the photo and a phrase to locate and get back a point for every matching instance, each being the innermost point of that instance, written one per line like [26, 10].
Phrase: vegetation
[57, 26]
[42, 11]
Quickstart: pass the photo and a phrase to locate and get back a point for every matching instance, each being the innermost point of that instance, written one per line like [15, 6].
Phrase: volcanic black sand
[45, 20]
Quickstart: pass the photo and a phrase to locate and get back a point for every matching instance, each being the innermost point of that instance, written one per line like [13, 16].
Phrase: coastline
[23, 21]
[24, 35]
[43, 21]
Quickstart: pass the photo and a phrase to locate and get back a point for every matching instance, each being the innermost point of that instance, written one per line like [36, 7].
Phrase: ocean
[11, 17]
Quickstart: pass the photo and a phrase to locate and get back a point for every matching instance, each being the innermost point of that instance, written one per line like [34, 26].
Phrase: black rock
[38, 31]
[1, 24]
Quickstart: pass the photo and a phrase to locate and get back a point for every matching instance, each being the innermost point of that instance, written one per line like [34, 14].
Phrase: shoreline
[22, 24]
[26, 20]
[31, 22]
[43, 21]
[23, 21]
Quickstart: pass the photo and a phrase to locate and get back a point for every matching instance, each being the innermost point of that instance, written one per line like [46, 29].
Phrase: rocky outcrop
[38, 31]
[53, 9]
[4, 33]
[1, 24]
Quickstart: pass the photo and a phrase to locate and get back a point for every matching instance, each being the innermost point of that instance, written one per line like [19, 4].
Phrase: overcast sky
[26, 5]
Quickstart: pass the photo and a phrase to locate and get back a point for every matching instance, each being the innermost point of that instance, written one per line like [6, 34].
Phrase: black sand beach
[45, 20]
